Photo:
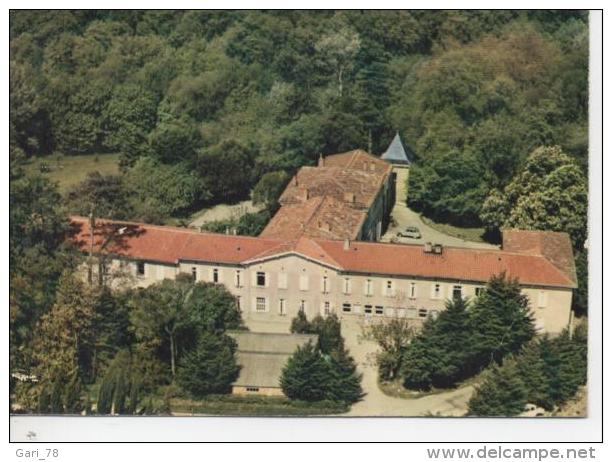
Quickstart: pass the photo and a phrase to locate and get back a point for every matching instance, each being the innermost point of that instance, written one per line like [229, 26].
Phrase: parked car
[411, 232]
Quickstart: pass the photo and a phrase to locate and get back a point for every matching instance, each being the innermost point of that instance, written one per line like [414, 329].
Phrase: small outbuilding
[262, 357]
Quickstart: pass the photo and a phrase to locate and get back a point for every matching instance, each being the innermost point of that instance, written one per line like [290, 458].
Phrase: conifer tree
[440, 353]
[300, 324]
[306, 375]
[531, 368]
[345, 383]
[500, 322]
[502, 393]
[211, 367]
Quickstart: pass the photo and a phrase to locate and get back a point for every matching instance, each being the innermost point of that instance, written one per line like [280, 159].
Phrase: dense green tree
[328, 329]
[448, 189]
[120, 387]
[160, 315]
[440, 354]
[210, 367]
[129, 117]
[501, 394]
[550, 193]
[104, 196]
[300, 324]
[63, 345]
[224, 170]
[37, 256]
[500, 322]
[312, 376]
[175, 141]
[213, 309]
[160, 191]
[306, 375]
[269, 188]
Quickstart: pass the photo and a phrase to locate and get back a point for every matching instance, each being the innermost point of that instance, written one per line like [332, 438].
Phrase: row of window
[261, 280]
[261, 306]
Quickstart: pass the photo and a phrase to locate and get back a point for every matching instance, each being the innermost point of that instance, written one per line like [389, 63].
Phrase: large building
[273, 278]
[346, 196]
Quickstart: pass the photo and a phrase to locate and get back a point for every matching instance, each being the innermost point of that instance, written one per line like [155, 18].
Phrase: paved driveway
[376, 403]
[404, 217]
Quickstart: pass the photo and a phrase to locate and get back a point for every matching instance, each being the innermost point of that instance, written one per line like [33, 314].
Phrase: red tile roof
[167, 244]
[461, 264]
[555, 246]
[319, 217]
[329, 201]
[170, 245]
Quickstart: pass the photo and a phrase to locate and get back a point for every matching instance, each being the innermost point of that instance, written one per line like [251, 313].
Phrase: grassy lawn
[468, 234]
[71, 170]
[233, 405]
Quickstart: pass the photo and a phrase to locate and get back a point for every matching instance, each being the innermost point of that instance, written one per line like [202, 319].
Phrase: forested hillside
[214, 100]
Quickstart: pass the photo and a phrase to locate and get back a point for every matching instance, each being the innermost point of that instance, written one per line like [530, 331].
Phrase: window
[239, 302]
[303, 282]
[140, 269]
[367, 309]
[436, 291]
[478, 291]
[326, 308]
[282, 311]
[237, 280]
[303, 306]
[282, 280]
[389, 288]
[457, 292]
[422, 313]
[346, 286]
[368, 287]
[194, 273]
[252, 389]
[413, 290]
[260, 304]
[215, 275]
[324, 286]
[261, 279]
[346, 307]
[411, 313]
[379, 310]
[542, 299]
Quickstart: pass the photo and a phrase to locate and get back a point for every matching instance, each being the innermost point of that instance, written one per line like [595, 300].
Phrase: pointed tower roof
[396, 154]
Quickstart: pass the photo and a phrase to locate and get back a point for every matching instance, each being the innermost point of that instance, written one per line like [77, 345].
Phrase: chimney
[365, 165]
[349, 197]
[347, 244]
[321, 161]
[427, 247]
[372, 166]
[325, 226]
[295, 180]
[437, 249]
[304, 194]
[227, 230]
